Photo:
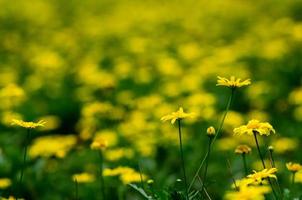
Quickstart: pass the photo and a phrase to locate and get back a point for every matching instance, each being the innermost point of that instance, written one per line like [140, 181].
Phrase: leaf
[141, 191]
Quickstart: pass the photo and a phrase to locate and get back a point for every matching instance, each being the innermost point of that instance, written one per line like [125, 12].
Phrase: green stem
[244, 163]
[263, 164]
[231, 174]
[207, 164]
[101, 175]
[216, 135]
[293, 178]
[28, 135]
[182, 159]
[274, 165]
[141, 175]
[76, 189]
[258, 148]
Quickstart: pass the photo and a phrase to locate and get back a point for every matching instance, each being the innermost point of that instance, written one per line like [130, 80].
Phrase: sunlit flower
[83, 178]
[243, 149]
[293, 167]
[10, 198]
[258, 177]
[282, 145]
[29, 125]
[180, 114]
[232, 82]
[262, 128]
[52, 145]
[98, 144]
[5, 183]
[248, 193]
[126, 174]
[211, 131]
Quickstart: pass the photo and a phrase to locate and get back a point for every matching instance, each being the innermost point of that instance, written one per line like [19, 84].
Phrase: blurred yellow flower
[83, 177]
[298, 177]
[5, 183]
[293, 167]
[180, 114]
[243, 149]
[255, 126]
[258, 177]
[282, 145]
[126, 174]
[99, 144]
[12, 91]
[53, 122]
[248, 193]
[28, 125]
[11, 198]
[54, 145]
[119, 153]
[232, 82]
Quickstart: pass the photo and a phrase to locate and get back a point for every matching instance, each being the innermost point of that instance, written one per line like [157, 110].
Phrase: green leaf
[141, 191]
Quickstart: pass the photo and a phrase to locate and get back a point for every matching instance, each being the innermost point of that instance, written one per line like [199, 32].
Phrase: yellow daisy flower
[293, 167]
[5, 183]
[232, 82]
[262, 128]
[241, 149]
[28, 125]
[83, 178]
[248, 193]
[180, 114]
[258, 177]
[99, 144]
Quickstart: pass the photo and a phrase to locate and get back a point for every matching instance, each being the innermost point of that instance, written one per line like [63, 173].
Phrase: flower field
[156, 100]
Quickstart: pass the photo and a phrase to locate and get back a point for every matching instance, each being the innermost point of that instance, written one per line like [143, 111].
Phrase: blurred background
[112, 69]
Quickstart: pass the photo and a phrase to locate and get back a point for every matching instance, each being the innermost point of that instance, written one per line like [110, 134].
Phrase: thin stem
[182, 159]
[101, 175]
[293, 178]
[76, 189]
[141, 175]
[204, 189]
[244, 163]
[272, 158]
[274, 165]
[258, 148]
[207, 194]
[28, 135]
[216, 135]
[207, 163]
[263, 164]
[231, 174]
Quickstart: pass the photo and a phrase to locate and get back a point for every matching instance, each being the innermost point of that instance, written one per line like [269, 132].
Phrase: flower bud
[271, 148]
[211, 131]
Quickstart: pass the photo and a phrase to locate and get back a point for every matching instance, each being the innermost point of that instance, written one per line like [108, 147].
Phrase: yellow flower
[211, 131]
[126, 174]
[248, 193]
[52, 145]
[5, 183]
[258, 177]
[255, 126]
[180, 114]
[98, 144]
[29, 125]
[293, 167]
[11, 198]
[232, 82]
[83, 178]
[243, 149]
